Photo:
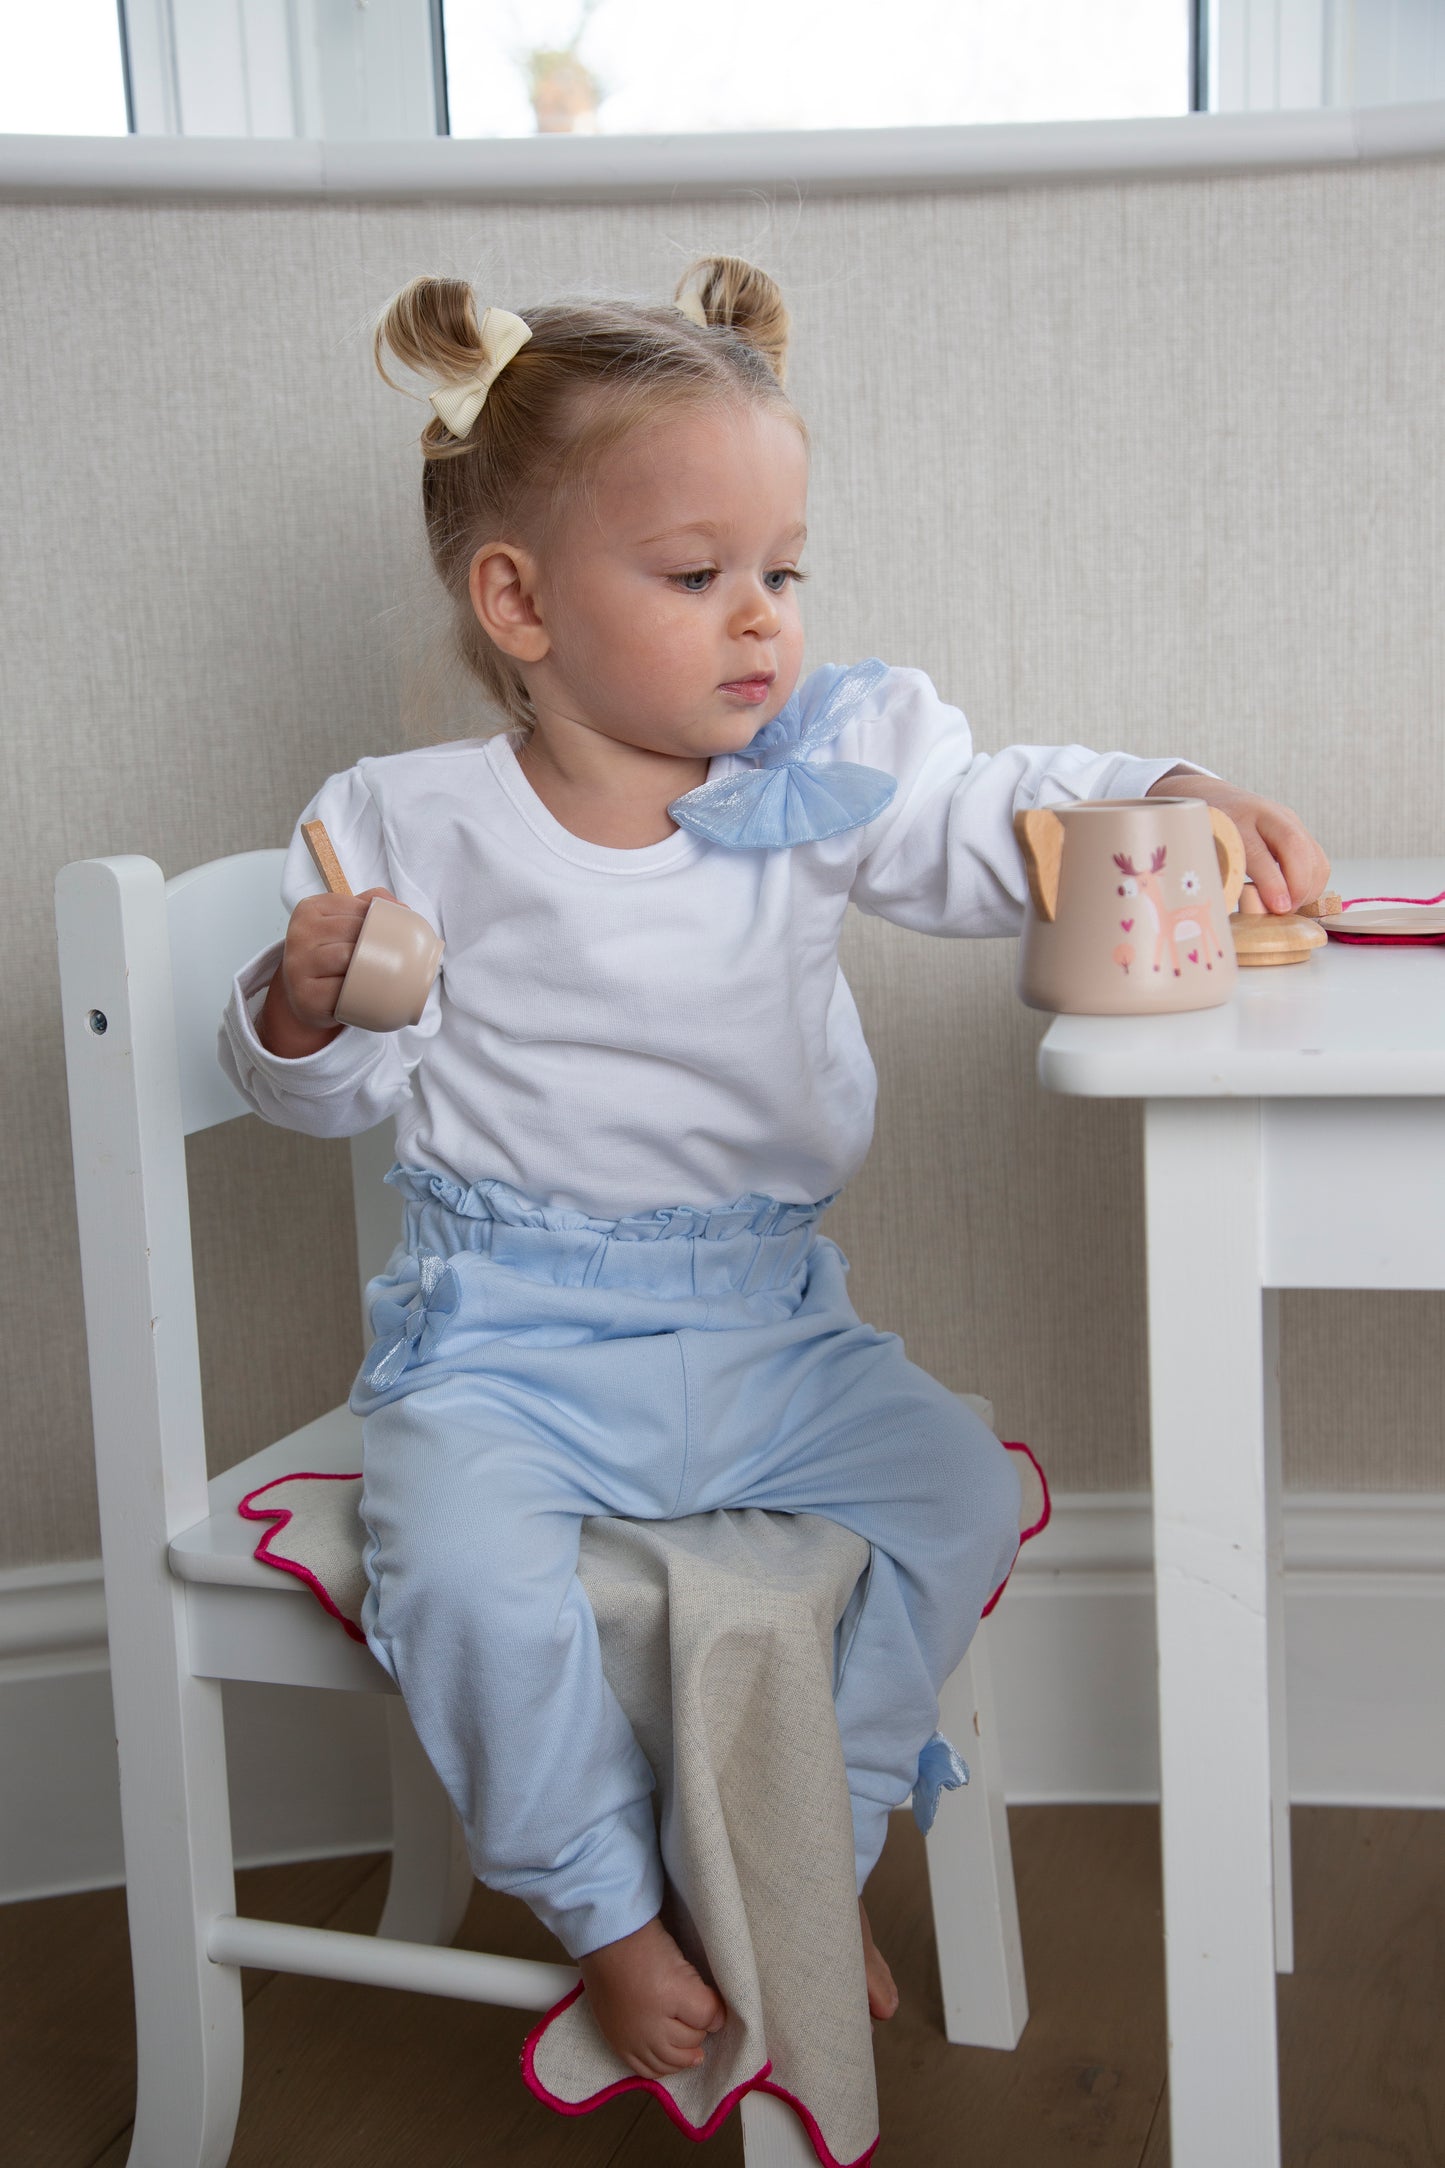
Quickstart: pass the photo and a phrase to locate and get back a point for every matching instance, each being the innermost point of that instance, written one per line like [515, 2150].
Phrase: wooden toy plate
[1388, 922]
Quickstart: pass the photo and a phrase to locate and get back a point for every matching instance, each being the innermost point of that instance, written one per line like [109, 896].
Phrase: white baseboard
[1072, 1647]
[308, 1771]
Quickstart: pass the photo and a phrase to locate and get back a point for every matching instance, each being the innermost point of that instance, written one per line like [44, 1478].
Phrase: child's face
[669, 594]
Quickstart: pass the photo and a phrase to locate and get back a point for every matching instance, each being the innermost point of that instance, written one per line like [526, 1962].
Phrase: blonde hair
[590, 373]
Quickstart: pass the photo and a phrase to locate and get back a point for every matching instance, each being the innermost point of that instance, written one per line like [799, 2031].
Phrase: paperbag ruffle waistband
[480, 1201]
[751, 1244]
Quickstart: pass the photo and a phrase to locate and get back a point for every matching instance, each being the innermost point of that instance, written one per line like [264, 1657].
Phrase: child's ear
[502, 583]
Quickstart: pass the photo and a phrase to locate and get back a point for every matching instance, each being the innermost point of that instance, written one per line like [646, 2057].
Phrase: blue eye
[776, 580]
[695, 583]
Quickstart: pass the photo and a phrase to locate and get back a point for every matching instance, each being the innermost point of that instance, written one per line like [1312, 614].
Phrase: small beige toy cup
[1129, 906]
[396, 958]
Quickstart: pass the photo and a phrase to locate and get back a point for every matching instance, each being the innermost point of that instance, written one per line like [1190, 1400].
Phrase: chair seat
[289, 1640]
[218, 1550]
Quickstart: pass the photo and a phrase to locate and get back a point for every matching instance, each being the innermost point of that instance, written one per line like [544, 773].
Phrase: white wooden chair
[145, 967]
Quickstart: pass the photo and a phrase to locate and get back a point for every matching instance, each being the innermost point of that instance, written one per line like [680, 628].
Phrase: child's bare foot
[654, 2008]
[882, 1994]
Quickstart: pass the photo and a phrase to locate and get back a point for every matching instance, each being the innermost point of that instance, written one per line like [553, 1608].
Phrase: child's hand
[1281, 857]
[298, 1016]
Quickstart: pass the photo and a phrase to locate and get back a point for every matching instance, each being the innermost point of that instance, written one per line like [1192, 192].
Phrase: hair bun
[736, 296]
[432, 326]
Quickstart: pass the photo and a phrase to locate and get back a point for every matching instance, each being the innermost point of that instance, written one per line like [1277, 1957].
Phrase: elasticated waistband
[753, 1243]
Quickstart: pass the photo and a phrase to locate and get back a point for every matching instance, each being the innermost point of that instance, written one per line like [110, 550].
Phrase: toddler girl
[640, 1081]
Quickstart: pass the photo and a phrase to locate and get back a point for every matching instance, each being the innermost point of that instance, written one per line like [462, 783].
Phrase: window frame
[1308, 55]
[277, 69]
[813, 162]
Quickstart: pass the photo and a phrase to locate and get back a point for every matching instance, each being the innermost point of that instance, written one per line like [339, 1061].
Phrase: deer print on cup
[1192, 922]
[1100, 936]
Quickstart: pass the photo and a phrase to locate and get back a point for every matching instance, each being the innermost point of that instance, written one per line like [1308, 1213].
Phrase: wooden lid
[1267, 939]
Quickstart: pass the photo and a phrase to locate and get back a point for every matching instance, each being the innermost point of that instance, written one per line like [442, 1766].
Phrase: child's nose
[758, 611]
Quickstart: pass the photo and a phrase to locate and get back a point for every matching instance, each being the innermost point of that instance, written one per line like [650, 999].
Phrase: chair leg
[431, 1876]
[189, 2033]
[970, 1874]
[773, 2136]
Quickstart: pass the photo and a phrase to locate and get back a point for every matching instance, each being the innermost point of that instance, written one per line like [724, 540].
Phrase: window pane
[516, 67]
[60, 68]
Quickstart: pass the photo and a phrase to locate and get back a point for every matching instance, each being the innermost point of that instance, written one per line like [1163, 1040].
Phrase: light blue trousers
[532, 1367]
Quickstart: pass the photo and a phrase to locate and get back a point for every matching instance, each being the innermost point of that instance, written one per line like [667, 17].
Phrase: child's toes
[681, 2045]
[882, 1993]
[700, 2005]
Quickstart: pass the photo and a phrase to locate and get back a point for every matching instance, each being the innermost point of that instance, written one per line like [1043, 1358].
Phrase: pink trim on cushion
[1027, 1534]
[762, 2083]
[810, 2125]
[631, 2084]
[280, 1518]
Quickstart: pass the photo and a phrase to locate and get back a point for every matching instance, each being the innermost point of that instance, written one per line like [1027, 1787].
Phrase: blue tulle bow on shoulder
[784, 797]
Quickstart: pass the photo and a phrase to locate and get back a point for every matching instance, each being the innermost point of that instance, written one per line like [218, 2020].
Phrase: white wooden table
[1295, 1138]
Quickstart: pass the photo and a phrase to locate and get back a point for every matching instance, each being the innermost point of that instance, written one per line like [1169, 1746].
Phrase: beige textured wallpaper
[1155, 465]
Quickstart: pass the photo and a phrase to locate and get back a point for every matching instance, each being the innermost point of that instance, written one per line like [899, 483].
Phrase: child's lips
[753, 689]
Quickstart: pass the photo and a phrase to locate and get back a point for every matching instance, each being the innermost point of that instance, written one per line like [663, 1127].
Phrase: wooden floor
[351, 2077]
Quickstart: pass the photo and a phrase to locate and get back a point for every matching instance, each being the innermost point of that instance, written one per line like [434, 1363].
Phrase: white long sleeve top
[620, 1030]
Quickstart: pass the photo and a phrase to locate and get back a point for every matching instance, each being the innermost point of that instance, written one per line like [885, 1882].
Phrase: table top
[1352, 1022]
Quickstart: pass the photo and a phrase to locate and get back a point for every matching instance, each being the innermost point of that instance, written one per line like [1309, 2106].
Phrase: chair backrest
[145, 969]
[218, 916]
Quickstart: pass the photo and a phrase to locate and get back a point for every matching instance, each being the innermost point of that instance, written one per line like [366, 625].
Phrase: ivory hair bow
[457, 405]
[690, 306]
[788, 798]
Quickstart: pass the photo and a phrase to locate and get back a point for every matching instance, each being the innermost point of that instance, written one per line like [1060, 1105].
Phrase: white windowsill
[818, 162]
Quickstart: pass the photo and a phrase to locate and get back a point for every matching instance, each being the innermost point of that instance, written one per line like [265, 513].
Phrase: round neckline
[673, 850]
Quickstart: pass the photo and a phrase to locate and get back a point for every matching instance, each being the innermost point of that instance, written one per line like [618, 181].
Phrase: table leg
[1207, 1399]
[1278, 1734]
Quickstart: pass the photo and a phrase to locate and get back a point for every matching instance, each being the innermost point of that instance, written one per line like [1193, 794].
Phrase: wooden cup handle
[1229, 850]
[1040, 836]
[327, 864]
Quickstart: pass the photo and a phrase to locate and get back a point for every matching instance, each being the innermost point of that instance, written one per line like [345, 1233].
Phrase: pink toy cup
[396, 958]
[1129, 905]
[392, 969]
